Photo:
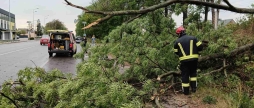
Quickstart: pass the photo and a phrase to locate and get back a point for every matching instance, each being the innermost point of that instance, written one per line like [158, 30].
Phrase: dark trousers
[189, 75]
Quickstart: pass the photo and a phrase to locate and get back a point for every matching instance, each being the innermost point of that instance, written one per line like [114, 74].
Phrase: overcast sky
[57, 9]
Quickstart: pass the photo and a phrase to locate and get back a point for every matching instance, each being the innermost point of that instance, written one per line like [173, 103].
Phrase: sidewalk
[14, 41]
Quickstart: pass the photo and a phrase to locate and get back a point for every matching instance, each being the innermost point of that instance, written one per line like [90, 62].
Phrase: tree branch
[155, 63]
[167, 74]
[161, 5]
[82, 8]
[98, 21]
[234, 52]
[214, 71]
[9, 99]
[139, 15]
[230, 5]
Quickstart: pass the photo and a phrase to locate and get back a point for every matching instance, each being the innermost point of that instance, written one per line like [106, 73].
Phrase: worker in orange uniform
[187, 48]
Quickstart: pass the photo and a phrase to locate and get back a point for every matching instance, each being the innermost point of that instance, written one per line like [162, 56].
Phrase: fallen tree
[109, 15]
[232, 53]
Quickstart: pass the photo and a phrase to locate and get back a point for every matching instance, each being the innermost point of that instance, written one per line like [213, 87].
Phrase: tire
[50, 54]
[75, 51]
[41, 43]
[71, 54]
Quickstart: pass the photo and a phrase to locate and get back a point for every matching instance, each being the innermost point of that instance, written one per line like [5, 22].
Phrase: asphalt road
[17, 56]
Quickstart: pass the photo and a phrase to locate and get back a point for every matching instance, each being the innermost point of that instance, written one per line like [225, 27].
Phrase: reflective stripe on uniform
[191, 47]
[193, 79]
[188, 57]
[198, 43]
[185, 84]
[176, 50]
[180, 46]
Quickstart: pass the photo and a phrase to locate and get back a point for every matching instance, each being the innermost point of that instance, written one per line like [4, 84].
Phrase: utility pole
[33, 17]
[29, 29]
[10, 20]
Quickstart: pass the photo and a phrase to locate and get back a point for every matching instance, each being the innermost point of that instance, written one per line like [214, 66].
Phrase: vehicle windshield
[78, 38]
[45, 36]
[60, 36]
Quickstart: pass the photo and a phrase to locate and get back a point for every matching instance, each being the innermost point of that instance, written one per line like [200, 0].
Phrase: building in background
[7, 30]
[226, 22]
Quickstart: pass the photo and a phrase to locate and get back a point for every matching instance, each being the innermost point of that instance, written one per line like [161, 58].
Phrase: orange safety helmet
[180, 30]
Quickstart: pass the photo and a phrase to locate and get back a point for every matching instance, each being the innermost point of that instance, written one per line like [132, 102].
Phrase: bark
[166, 11]
[110, 14]
[185, 14]
[206, 11]
[167, 74]
[213, 15]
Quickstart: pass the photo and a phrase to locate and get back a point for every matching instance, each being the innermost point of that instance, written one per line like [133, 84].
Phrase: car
[61, 41]
[17, 37]
[78, 39]
[44, 40]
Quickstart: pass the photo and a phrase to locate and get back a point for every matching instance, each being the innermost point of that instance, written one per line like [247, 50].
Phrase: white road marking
[16, 51]
[45, 63]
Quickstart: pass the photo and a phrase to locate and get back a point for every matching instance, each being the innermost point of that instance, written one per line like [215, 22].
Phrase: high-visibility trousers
[189, 75]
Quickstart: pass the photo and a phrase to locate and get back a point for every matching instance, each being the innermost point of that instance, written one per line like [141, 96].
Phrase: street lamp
[33, 17]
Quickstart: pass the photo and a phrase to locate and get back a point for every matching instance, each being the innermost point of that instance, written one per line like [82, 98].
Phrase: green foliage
[209, 100]
[90, 88]
[55, 25]
[19, 32]
[143, 39]
[145, 45]
[242, 99]
[39, 30]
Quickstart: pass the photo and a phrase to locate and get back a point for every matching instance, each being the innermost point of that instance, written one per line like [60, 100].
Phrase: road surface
[17, 56]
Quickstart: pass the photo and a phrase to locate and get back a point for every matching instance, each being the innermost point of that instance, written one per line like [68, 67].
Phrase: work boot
[193, 85]
[186, 91]
[193, 90]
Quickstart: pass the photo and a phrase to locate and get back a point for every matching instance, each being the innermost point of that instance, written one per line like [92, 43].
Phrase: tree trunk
[166, 11]
[206, 11]
[217, 15]
[233, 53]
[213, 15]
[185, 13]
[215, 20]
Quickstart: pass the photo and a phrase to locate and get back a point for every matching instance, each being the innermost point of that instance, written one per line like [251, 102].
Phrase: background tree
[21, 32]
[55, 24]
[39, 30]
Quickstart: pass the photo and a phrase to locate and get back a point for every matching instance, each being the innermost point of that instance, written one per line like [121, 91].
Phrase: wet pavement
[17, 56]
